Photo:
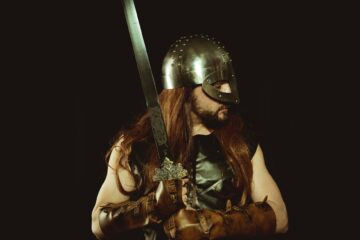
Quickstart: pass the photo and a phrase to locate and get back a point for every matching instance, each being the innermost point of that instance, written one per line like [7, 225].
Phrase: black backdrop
[277, 50]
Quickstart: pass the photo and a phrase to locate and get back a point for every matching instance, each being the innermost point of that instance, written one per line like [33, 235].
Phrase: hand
[252, 220]
[170, 196]
[184, 191]
[183, 225]
[195, 224]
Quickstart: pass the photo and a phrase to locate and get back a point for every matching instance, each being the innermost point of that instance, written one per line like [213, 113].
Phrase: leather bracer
[115, 219]
[255, 219]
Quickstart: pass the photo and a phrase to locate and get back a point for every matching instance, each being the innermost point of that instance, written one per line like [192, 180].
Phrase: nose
[225, 87]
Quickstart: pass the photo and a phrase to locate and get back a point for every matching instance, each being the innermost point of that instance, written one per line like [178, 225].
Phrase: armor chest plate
[211, 175]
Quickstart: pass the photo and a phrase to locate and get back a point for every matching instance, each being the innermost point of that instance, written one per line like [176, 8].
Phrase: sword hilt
[169, 171]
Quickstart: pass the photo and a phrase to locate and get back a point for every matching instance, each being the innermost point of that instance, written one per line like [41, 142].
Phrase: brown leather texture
[255, 219]
[183, 225]
[115, 219]
[169, 197]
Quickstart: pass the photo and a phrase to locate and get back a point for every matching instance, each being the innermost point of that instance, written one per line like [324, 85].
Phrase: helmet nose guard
[200, 60]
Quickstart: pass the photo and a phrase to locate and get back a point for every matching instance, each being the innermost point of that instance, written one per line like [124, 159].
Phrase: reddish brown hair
[175, 107]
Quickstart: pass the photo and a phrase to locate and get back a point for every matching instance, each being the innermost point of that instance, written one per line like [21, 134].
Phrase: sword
[169, 170]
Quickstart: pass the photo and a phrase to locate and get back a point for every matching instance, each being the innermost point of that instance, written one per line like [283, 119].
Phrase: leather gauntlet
[115, 219]
[252, 220]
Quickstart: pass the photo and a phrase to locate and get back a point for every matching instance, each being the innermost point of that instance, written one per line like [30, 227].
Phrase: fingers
[190, 208]
[184, 190]
[185, 180]
[184, 183]
[184, 196]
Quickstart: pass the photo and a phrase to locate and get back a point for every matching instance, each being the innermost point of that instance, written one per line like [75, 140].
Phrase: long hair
[176, 107]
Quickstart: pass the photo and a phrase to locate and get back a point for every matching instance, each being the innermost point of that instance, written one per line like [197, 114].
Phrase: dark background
[280, 52]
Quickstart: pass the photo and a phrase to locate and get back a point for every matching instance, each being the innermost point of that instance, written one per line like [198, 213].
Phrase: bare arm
[109, 192]
[263, 184]
[114, 213]
[259, 218]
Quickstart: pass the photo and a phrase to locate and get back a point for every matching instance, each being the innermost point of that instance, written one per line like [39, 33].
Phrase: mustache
[223, 107]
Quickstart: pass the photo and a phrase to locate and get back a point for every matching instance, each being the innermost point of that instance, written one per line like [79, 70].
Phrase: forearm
[281, 216]
[257, 219]
[116, 218]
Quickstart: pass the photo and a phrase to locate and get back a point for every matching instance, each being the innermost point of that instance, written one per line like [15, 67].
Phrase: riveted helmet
[200, 60]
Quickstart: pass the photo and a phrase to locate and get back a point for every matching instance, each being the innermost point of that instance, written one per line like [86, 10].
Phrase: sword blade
[147, 80]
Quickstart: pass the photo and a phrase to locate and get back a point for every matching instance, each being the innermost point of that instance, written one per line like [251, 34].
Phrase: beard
[210, 119]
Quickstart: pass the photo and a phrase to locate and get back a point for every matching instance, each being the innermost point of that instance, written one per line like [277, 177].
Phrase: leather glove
[117, 218]
[251, 220]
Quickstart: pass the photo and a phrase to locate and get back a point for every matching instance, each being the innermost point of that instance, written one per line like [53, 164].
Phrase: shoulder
[116, 153]
[119, 167]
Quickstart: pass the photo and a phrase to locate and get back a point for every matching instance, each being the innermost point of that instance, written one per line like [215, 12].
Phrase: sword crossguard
[169, 171]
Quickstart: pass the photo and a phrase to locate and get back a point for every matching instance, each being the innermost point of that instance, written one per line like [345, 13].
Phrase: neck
[198, 127]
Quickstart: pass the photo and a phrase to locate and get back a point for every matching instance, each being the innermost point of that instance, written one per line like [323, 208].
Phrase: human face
[212, 113]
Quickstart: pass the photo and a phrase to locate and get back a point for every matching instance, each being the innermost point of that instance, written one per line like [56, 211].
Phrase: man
[228, 191]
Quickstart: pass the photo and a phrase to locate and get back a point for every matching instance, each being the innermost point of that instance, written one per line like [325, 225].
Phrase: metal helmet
[200, 60]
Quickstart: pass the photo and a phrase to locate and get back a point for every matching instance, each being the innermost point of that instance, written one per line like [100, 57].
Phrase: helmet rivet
[219, 95]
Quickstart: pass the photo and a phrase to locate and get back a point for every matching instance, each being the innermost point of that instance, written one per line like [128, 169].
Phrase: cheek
[204, 102]
[211, 105]
[207, 103]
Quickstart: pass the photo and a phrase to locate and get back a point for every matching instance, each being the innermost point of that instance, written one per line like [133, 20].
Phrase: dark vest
[210, 176]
